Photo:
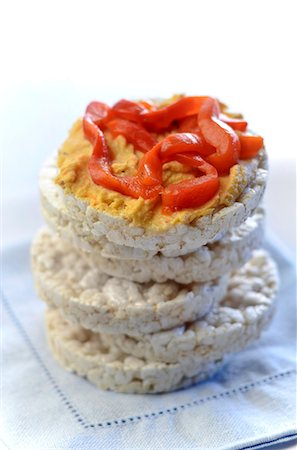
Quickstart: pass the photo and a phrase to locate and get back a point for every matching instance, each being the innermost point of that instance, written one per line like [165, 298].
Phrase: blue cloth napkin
[251, 403]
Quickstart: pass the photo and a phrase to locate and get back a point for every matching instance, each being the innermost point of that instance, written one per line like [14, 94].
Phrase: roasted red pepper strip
[100, 167]
[190, 125]
[185, 142]
[194, 192]
[250, 145]
[185, 194]
[134, 133]
[98, 112]
[219, 135]
[149, 169]
[236, 124]
[125, 109]
[162, 118]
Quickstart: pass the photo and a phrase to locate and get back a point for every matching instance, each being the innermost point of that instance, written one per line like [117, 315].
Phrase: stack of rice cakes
[138, 312]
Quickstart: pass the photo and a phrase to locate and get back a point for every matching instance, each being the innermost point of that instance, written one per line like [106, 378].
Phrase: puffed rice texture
[96, 301]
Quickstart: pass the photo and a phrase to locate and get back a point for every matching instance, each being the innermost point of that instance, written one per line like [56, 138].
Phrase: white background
[57, 56]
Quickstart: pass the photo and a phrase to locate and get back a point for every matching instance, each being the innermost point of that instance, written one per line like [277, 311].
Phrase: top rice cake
[96, 212]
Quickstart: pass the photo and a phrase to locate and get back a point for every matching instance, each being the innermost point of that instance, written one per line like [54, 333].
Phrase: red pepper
[149, 169]
[125, 109]
[185, 142]
[162, 118]
[98, 112]
[194, 192]
[190, 125]
[100, 166]
[236, 124]
[250, 145]
[185, 194]
[134, 133]
[219, 135]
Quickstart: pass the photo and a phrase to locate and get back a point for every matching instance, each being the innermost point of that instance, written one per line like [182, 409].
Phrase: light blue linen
[251, 403]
